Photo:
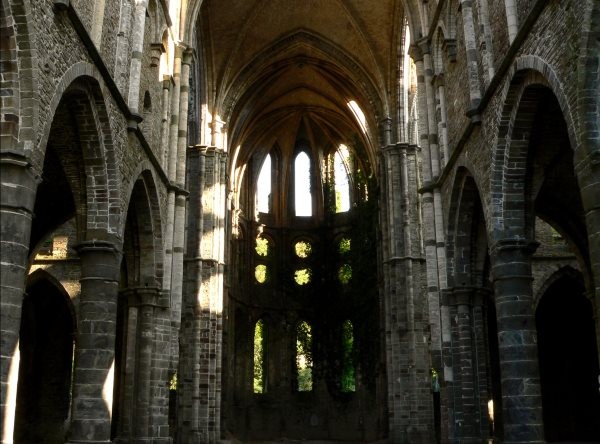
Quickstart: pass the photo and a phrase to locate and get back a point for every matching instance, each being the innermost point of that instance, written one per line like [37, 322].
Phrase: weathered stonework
[132, 137]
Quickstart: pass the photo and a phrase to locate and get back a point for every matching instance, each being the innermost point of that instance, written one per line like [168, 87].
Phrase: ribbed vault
[271, 67]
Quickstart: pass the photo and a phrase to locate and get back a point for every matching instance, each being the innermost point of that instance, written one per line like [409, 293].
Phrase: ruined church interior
[300, 221]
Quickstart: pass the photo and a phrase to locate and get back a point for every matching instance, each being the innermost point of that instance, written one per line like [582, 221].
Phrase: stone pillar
[17, 198]
[146, 299]
[432, 214]
[467, 389]
[404, 310]
[95, 343]
[202, 316]
[137, 48]
[466, 7]
[517, 341]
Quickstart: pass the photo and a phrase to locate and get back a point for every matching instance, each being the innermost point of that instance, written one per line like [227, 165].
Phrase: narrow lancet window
[342, 185]
[263, 187]
[303, 197]
[348, 369]
[260, 371]
[304, 356]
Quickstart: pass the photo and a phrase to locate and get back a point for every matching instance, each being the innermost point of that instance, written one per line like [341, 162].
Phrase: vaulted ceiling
[276, 67]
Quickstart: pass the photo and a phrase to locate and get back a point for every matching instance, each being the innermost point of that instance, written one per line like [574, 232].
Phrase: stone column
[146, 298]
[202, 318]
[17, 198]
[137, 48]
[466, 7]
[95, 343]
[468, 352]
[404, 309]
[517, 341]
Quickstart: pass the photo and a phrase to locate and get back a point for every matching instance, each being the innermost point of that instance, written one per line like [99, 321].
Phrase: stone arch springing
[511, 211]
[141, 356]
[144, 214]
[80, 94]
[466, 233]
[472, 344]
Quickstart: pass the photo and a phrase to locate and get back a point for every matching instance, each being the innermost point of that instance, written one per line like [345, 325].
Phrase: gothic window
[303, 273]
[260, 361]
[348, 370]
[303, 196]
[344, 272]
[302, 276]
[263, 187]
[263, 252]
[303, 249]
[304, 357]
[342, 183]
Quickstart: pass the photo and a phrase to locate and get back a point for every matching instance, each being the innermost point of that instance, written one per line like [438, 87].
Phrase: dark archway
[46, 344]
[568, 363]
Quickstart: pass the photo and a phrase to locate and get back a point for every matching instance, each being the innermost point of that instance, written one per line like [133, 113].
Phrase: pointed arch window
[348, 370]
[302, 180]
[260, 367]
[342, 183]
[304, 357]
[263, 187]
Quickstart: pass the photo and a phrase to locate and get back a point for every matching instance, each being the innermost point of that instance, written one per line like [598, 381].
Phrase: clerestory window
[263, 187]
[303, 196]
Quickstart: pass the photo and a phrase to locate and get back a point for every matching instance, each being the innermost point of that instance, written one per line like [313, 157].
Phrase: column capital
[471, 296]
[416, 53]
[438, 80]
[96, 245]
[188, 56]
[145, 296]
[507, 245]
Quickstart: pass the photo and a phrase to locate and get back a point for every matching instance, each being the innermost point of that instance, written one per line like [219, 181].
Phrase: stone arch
[47, 334]
[438, 51]
[466, 243]
[144, 213]
[80, 94]
[548, 280]
[472, 330]
[510, 215]
[568, 359]
[19, 73]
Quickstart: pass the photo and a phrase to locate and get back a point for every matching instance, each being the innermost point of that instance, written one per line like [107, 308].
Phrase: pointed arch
[80, 95]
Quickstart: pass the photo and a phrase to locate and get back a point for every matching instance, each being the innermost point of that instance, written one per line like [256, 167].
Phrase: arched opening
[263, 187]
[568, 359]
[138, 324]
[46, 344]
[260, 357]
[302, 188]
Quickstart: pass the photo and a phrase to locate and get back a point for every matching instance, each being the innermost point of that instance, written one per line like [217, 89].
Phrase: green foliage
[260, 273]
[345, 273]
[262, 246]
[348, 380]
[304, 356]
[344, 245]
[303, 249]
[302, 277]
[173, 382]
[259, 357]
